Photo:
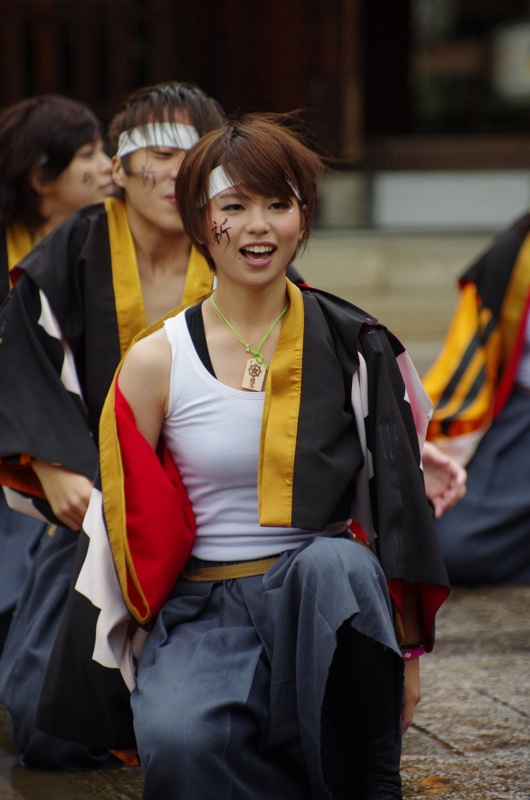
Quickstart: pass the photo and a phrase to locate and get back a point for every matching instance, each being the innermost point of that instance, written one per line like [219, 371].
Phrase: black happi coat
[342, 389]
[75, 309]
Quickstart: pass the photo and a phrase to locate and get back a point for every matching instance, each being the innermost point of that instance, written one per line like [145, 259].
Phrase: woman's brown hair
[264, 153]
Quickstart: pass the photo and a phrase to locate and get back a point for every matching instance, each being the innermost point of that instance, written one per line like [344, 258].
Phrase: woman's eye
[232, 207]
[280, 205]
[87, 152]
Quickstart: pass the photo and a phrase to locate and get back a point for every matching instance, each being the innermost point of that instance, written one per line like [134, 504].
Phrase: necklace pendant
[254, 375]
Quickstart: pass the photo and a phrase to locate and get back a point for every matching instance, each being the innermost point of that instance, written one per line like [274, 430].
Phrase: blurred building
[423, 104]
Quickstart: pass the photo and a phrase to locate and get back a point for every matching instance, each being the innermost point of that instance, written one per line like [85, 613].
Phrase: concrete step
[383, 261]
[408, 281]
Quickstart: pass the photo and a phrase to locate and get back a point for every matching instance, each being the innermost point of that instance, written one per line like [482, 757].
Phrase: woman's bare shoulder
[148, 359]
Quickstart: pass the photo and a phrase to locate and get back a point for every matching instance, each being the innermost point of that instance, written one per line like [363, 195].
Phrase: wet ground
[471, 737]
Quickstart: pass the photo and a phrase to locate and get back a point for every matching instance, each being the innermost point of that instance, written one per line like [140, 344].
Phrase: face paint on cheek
[148, 177]
[218, 231]
[88, 178]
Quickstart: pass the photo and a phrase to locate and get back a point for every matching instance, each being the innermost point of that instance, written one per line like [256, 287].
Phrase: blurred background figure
[86, 290]
[480, 386]
[52, 162]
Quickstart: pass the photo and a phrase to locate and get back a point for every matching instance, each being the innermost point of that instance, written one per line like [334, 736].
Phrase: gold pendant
[254, 375]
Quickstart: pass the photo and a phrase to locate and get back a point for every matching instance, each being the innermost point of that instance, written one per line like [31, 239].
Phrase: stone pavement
[471, 735]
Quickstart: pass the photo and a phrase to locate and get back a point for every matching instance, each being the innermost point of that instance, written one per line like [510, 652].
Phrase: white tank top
[213, 434]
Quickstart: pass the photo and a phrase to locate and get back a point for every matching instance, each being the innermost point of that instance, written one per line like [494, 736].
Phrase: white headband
[157, 134]
[219, 181]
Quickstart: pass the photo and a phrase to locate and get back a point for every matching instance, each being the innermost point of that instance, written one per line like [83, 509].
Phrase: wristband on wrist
[410, 652]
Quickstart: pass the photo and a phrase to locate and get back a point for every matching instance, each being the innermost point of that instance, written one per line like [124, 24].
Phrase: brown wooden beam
[447, 152]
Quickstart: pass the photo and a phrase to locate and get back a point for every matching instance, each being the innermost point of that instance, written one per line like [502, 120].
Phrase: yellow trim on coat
[112, 482]
[113, 491]
[18, 245]
[128, 298]
[280, 418]
[469, 321]
[130, 309]
[514, 303]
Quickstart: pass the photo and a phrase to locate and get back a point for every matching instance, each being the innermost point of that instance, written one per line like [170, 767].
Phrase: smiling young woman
[297, 509]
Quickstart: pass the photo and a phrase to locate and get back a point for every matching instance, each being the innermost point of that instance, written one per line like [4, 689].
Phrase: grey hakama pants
[19, 538]
[27, 652]
[232, 678]
[485, 538]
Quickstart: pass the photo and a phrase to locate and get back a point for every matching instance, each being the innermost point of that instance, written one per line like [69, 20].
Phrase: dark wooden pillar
[352, 95]
[87, 53]
[162, 23]
[386, 37]
[13, 62]
[122, 62]
[47, 38]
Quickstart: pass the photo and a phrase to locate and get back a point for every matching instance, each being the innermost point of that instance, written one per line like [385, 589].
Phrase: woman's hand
[67, 492]
[445, 479]
[411, 693]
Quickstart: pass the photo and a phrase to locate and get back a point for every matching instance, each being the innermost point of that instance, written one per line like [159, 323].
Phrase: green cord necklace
[256, 368]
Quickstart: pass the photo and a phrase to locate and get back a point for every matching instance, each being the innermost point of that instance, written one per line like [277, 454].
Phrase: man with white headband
[85, 292]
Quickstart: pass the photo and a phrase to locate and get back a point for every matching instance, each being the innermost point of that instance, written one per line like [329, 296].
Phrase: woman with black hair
[52, 162]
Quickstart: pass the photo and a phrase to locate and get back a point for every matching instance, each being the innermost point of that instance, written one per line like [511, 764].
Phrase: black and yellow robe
[474, 373]
[344, 419]
[75, 309]
[15, 244]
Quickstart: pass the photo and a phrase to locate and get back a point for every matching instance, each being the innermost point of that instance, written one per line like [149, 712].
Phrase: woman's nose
[258, 221]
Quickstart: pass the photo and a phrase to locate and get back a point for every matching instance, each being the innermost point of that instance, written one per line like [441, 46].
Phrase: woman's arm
[412, 636]
[144, 382]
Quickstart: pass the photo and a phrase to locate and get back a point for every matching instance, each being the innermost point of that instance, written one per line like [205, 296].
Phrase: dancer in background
[480, 388]
[52, 162]
[85, 292]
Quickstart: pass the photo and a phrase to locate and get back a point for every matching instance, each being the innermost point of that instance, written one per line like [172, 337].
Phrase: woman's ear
[117, 172]
[36, 182]
[303, 221]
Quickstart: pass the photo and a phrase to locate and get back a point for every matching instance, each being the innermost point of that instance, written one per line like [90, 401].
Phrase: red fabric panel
[22, 478]
[431, 597]
[159, 518]
[357, 530]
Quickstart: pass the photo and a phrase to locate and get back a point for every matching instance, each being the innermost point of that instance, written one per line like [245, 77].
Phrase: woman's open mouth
[258, 252]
